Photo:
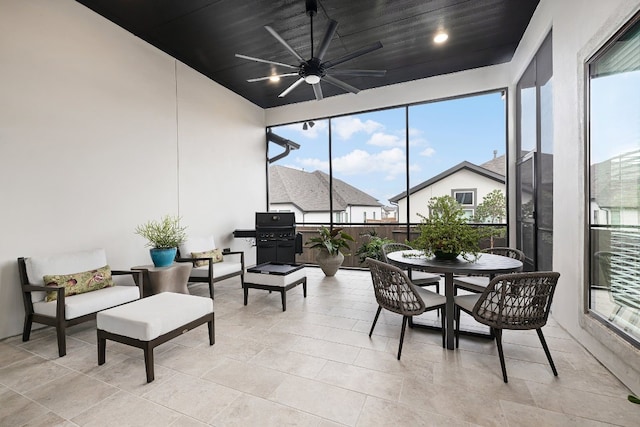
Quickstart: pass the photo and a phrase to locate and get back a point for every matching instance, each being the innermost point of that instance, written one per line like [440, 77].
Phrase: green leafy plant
[372, 248]
[446, 231]
[163, 234]
[333, 241]
[492, 210]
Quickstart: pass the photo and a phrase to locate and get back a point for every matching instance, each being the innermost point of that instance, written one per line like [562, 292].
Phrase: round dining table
[485, 264]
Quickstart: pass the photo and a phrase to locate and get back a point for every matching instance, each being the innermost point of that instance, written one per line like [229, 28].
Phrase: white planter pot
[329, 263]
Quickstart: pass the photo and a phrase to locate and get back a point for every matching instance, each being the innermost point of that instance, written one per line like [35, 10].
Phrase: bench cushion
[90, 302]
[150, 317]
[274, 279]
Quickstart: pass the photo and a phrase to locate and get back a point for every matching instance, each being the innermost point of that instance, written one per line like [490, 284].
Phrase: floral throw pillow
[79, 283]
[214, 254]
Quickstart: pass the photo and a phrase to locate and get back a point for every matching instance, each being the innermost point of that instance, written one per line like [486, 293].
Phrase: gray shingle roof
[309, 191]
[497, 164]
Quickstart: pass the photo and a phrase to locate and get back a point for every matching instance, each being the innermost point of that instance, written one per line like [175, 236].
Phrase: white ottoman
[272, 276]
[151, 321]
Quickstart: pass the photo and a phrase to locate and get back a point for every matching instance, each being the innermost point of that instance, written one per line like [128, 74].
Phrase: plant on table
[164, 237]
[446, 233]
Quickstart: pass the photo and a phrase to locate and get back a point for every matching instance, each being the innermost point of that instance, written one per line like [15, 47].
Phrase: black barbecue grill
[276, 238]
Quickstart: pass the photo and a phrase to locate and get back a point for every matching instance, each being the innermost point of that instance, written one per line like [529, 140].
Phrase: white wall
[94, 140]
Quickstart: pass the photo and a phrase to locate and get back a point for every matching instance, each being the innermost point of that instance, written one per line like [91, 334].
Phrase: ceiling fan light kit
[313, 71]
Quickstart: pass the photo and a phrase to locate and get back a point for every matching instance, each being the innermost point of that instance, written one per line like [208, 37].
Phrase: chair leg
[62, 338]
[456, 320]
[26, 331]
[404, 326]
[498, 333]
[211, 289]
[375, 319]
[546, 351]
[443, 324]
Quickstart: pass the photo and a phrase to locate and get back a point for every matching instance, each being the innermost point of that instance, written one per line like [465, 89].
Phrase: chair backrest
[387, 248]
[196, 244]
[509, 252]
[517, 301]
[393, 289]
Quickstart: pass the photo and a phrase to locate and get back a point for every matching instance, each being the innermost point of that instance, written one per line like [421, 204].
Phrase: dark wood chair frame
[59, 322]
[517, 301]
[210, 280]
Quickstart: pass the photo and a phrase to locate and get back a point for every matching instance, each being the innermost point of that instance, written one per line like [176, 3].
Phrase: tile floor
[313, 365]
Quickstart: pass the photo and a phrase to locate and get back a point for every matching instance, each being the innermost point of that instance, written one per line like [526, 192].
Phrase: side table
[173, 278]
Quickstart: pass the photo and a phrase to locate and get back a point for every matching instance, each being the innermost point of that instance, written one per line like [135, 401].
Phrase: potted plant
[445, 233]
[164, 237]
[372, 248]
[330, 245]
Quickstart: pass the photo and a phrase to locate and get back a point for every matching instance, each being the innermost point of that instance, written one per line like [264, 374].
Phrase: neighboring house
[307, 195]
[614, 189]
[466, 182]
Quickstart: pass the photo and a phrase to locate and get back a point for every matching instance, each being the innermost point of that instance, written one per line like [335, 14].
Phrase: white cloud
[345, 127]
[380, 139]
[428, 152]
[320, 128]
[311, 164]
[389, 163]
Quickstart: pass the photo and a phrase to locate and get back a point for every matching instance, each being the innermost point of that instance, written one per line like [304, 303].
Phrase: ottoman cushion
[153, 316]
[274, 279]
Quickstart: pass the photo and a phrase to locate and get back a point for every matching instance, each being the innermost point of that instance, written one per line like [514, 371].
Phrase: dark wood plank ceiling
[206, 35]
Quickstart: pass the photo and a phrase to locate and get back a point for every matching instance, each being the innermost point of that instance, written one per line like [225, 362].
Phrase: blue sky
[369, 149]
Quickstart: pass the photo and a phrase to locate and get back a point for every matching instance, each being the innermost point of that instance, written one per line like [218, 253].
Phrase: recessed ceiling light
[274, 78]
[441, 37]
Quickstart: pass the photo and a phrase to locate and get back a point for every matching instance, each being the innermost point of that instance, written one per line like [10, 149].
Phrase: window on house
[614, 149]
[465, 198]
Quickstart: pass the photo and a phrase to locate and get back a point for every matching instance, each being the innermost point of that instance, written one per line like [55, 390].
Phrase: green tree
[492, 210]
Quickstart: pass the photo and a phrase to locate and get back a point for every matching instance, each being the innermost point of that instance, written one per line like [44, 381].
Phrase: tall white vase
[329, 263]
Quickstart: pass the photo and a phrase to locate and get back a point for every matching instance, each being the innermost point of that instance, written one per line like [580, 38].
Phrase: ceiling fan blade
[284, 43]
[358, 73]
[290, 88]
[266, 61]
[375, 46]
[259, 79]
[340, 84]
[328, 36]
[317, 90]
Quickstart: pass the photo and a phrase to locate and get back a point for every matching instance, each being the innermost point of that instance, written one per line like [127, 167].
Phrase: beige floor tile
[324, 400]
[237, 348]
[17, 410]
[125, 409]
[191, 361]
[363, 380]
[379, 412]
[47, 346]
[71, 394]
[408, 366]
[130, 374]
[253, 411]
[49, 420]
[195, 397]
[85, 360]
[10, 354]
[31, 373]
[530, 416]
[355, 338]
[290, 362]
[185, 421]
[593, 406]
[326, 349]
[248, 378]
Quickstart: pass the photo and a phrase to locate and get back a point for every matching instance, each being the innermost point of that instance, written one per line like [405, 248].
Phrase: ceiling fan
[315, 70]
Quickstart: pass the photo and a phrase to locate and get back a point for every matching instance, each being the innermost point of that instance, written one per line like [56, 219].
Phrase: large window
[377, 170]
[614, 184]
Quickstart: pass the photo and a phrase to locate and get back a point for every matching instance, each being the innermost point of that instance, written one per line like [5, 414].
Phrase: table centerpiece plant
[445, 233]
[164, 237]
[330, 244]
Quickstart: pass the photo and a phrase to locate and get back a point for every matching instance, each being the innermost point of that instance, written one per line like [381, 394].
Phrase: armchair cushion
[219, 269]
[38, 267]
[79, 283]
[215, 255]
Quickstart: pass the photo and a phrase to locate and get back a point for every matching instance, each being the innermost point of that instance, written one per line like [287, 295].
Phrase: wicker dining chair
[479, 283]
[418, 278]
[511, 301]
[395, 292]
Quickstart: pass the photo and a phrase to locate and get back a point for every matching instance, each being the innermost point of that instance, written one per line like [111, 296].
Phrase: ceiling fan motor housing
[312, 7]
[312, 68]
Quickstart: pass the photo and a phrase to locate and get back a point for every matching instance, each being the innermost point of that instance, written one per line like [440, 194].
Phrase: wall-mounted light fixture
[308, 125]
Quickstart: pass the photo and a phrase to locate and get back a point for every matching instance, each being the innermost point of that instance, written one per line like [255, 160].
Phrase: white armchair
[63, 307]
[210, 270]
